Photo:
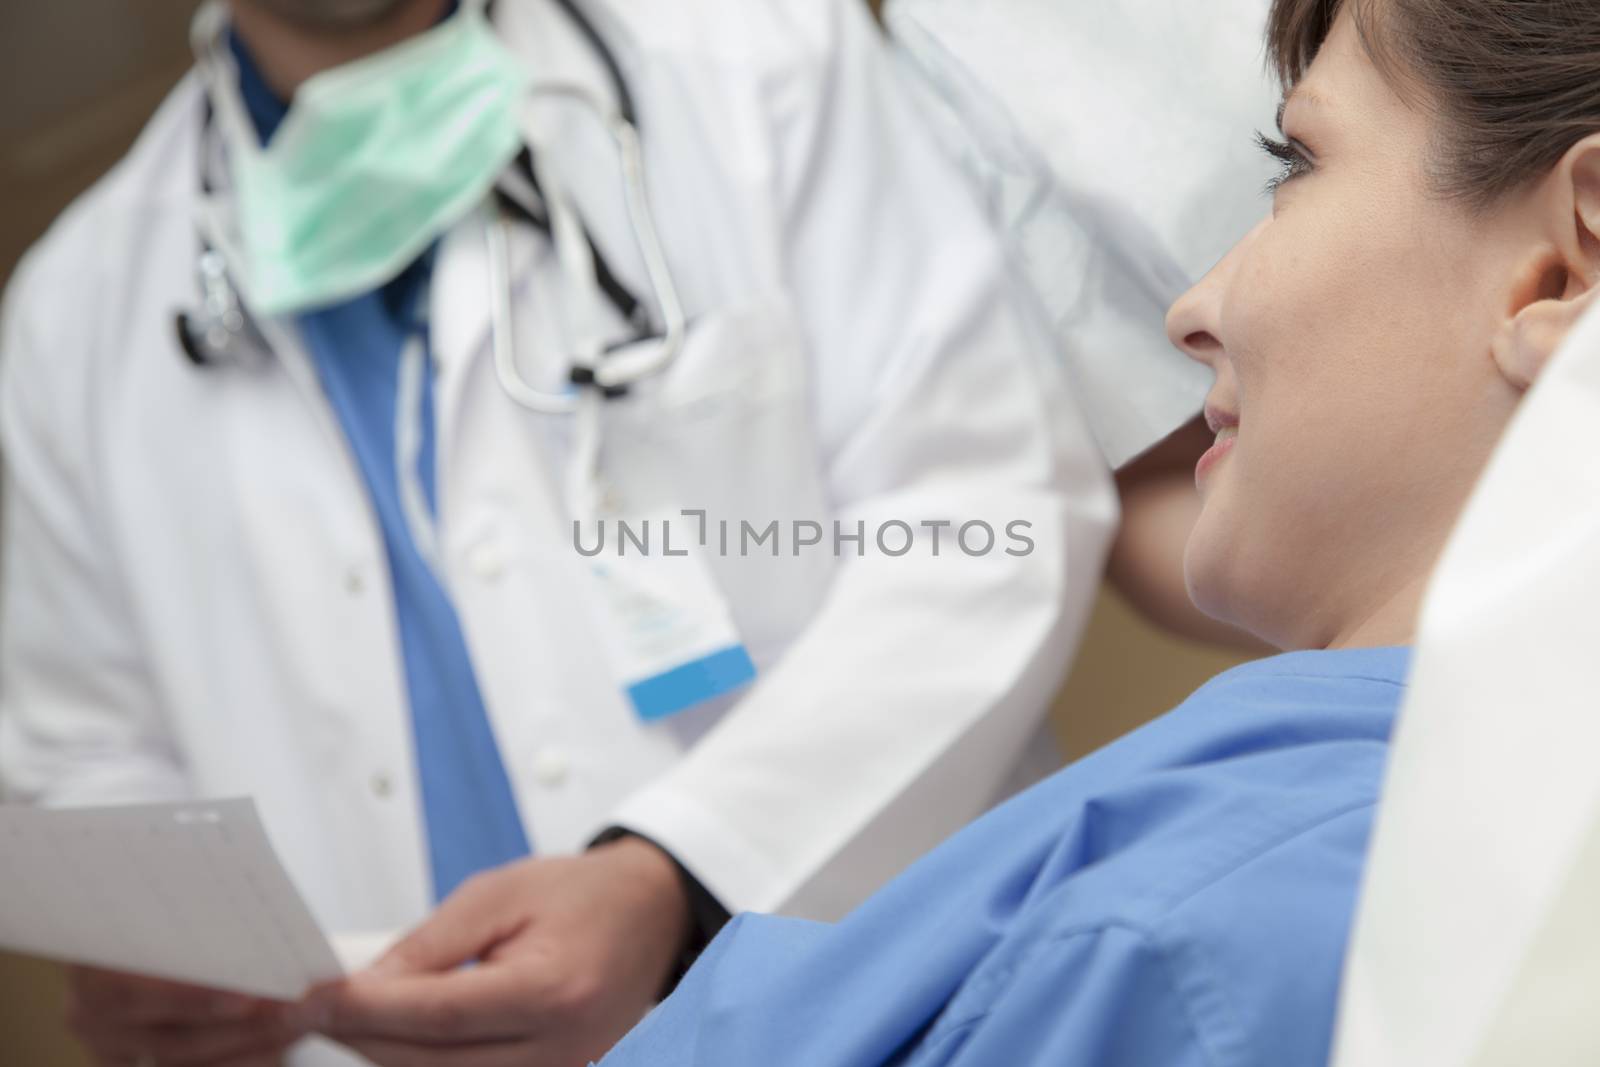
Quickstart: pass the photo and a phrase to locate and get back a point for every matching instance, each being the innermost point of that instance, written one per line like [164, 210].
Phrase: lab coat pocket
[724, 441]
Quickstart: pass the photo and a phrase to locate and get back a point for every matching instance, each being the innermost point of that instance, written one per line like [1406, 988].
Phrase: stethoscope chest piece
[220, 332]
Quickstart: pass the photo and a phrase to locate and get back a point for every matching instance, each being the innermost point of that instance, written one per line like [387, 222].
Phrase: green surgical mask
[375, 160]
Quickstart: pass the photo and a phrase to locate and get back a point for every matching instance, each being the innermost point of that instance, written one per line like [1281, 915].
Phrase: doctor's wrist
[662, 905]
[706, 915]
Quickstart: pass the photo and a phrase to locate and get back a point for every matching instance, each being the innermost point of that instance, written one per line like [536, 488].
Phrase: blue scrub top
[469, 809]
[1181, 898]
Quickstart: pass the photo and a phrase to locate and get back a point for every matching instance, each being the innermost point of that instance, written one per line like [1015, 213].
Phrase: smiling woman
[1183, 896]
[1436, 186]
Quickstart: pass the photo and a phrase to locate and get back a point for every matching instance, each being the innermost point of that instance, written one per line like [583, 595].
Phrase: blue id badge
[667, 631]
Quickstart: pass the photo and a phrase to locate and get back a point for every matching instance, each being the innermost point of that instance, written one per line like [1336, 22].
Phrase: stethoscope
[222, 332]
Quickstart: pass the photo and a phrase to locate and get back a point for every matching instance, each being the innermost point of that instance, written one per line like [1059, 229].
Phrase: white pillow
[1478, 939]
[1113, 143]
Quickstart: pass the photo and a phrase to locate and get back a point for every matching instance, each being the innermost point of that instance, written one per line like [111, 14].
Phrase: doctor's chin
[799, 533]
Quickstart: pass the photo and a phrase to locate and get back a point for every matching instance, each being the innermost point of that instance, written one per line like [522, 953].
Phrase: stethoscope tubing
[226, 327]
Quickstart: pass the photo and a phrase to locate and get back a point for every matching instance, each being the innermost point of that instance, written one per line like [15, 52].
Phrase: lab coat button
[382, 786]
[487, 562]
[353, 582]
[551, 768]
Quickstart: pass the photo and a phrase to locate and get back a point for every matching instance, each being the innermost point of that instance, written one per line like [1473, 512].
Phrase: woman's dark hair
[1516, 83]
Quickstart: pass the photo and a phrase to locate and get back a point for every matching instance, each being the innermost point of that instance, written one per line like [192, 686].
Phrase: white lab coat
[196, 599]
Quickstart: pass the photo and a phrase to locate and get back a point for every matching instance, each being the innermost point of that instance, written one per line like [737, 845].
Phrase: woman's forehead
[1346, 82]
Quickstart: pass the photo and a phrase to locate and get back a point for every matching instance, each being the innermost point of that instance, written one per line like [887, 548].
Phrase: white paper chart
[189, 892]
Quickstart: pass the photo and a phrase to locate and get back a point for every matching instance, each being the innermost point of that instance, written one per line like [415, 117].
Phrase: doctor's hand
[124, 1019]
[569, 953]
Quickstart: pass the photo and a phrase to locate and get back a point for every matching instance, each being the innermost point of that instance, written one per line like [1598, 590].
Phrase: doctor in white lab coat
[198, 595]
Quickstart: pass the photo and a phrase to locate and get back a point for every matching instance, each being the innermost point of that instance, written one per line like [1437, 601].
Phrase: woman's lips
[1226, 436]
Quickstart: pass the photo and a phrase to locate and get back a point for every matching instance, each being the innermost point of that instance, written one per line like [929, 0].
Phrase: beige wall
[1127, 673]
[71, 100]
[30, 1016]
[77, 80]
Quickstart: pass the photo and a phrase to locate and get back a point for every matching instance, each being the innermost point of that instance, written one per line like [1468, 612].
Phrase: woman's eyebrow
[1305, 96]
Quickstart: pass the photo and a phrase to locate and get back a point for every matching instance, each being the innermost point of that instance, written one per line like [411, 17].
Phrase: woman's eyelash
[1289, 154]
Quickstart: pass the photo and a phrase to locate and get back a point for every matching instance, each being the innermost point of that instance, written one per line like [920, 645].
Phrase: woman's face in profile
[1350, 334]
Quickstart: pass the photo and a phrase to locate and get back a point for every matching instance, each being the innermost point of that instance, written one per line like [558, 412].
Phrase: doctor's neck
[291, 40]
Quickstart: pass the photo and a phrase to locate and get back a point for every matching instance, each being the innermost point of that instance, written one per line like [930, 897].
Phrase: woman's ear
[1559, 282]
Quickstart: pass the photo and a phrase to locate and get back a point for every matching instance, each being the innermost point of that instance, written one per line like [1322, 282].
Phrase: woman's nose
[1194, 321]
[1191, 324]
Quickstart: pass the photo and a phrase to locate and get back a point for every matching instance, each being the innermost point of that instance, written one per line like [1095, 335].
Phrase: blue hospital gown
[1180, 898]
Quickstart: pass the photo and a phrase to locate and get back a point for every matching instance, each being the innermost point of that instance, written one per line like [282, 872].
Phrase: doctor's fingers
[493, 1002]
[478, 915]
[188, 1046]
[96, 996]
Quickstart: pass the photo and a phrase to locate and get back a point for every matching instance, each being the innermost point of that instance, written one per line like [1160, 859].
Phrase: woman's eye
[1293, 159]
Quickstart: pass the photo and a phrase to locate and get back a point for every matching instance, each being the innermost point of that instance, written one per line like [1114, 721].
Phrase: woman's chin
[1206, 558]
